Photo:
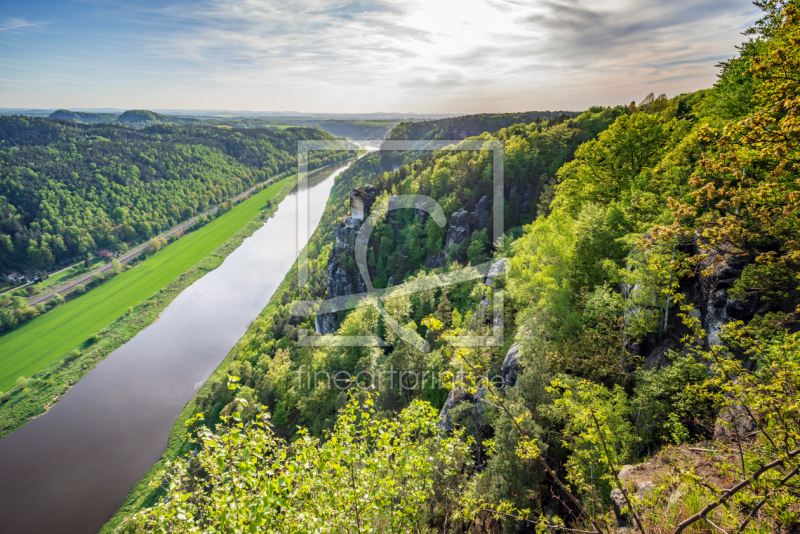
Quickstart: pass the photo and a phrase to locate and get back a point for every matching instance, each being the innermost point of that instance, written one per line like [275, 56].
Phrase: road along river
[68, 471]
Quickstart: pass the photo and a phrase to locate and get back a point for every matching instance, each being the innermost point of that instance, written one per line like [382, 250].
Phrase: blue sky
[428, 56]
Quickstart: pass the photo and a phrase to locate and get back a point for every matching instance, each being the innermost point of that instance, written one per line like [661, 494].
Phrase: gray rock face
[456, 396]
[732, 421]
[479, 219]
[510, 366]
[626, 472]
[459, 227]
[620, 504]
[497, 269]
[716, 307]
[341, 279]
[434, 261]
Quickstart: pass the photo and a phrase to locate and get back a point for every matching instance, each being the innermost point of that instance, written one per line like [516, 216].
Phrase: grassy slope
[29, 348]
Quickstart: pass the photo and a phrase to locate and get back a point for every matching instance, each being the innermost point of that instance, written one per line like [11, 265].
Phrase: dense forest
[354, 129]
[469, 125]
[68, 189]
[649, 371]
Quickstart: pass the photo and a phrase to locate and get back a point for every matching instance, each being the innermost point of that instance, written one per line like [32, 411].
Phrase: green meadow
[49, 337]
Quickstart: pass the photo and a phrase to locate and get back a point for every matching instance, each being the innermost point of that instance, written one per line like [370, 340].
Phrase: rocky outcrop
[459, 228]
[479, 219]
[457, 396]
[510, 367]
[463, 222]
[434, 261]
[343, 276]
[734, 423]
[722, 267]
[361, 201]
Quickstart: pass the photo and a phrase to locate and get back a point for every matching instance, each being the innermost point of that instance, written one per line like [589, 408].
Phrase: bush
[94, 338]
[364, 464]
[72, 356]
[22, 382]
[80, 289]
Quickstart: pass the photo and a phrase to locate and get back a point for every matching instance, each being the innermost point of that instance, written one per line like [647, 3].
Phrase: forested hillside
[140, 118]
[67, 189]
[457, 128]
[649, 370]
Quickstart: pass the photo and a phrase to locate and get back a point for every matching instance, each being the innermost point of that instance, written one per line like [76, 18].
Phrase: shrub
[22, 382]
[94, 338]
[80, 290]
[381, 467]
[72, 356]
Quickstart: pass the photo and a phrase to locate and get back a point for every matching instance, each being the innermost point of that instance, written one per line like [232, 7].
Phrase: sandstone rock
[361, 201]
[619, 503]
[510, 366]
[498, 269]
[459, 228]
[479, 219]
[456, 396]
[644, 489]
[626, 472]
[434, 261]
[724, 267]
[732, 420]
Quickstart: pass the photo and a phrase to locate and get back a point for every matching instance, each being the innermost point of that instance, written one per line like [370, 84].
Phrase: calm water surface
[70, 470]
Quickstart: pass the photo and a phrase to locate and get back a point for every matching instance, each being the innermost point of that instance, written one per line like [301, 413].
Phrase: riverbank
[146, 492]
[146, 289]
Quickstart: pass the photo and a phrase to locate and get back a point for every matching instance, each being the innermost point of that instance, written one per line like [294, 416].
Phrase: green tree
[370, 474]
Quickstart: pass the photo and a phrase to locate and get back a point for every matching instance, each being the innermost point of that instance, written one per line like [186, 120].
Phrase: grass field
[49, 337]
[63, 275]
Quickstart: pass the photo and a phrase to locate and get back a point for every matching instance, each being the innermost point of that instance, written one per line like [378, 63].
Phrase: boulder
[498, 269]
[627, 471]
[645, 488]
[619, 503]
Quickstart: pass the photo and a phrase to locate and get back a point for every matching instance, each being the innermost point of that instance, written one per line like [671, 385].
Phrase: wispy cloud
[447, 55]
[15, 24]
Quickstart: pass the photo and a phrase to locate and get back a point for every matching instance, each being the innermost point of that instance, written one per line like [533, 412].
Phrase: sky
[424, 56]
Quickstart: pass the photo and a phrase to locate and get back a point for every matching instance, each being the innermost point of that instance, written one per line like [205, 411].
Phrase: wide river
[69, 470]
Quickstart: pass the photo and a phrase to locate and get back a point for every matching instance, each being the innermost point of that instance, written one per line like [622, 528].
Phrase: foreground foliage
[368, 475]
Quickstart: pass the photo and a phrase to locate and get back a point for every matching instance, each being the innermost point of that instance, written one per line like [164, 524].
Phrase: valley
[576, 316]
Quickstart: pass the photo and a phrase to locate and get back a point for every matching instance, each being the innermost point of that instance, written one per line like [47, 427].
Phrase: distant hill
[137, 118]
[86, 118]
[457, 128]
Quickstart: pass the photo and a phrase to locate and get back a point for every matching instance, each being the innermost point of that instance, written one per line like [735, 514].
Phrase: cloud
[422, 55]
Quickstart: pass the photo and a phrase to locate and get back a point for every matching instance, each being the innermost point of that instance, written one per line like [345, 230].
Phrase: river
[68, 471]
